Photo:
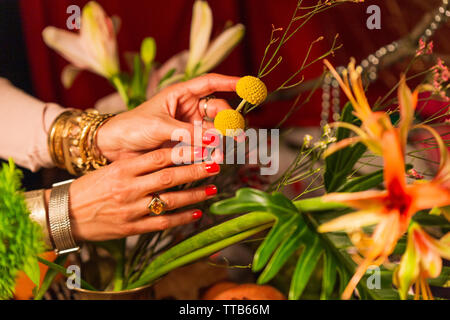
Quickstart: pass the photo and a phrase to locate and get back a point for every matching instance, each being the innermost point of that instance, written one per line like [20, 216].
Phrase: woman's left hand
[151, 124]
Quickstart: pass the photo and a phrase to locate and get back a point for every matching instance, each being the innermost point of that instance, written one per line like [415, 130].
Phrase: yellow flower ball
[251, 89]
[229, 122]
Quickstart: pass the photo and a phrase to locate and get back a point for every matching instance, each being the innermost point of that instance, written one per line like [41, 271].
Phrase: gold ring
[157, 206]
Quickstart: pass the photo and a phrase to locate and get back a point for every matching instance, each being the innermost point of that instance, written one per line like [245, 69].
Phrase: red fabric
[168, 22]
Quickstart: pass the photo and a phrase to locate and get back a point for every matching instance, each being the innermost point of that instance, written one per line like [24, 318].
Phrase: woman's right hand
[112, 202]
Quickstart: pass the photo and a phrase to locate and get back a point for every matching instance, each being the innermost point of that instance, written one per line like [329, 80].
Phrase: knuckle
[116, 169]
[166, 177]
[127, 229]
[199, 195]
[163, 223]
[158, 157]
[195, 172]
[120, 192]
[170, 203]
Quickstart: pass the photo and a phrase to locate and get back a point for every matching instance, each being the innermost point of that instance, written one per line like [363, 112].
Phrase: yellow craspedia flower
[231, 121]
[251, 89]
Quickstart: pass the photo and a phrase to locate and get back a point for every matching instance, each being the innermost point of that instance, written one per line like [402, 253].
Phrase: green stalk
[119, 256]
[50, 275]
[215, 234]
[241, 105]
[63, 270]
[195, 255]
[317, 204]
[120, 87]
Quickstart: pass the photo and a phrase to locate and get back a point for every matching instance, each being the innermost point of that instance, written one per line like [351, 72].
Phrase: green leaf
[49, 277]
[277, 234]
[136, 87]
[329, 276]
[31, 269]
[248, 199]
[305, 266]
[63, 271]
[290, 244]
[340, 164]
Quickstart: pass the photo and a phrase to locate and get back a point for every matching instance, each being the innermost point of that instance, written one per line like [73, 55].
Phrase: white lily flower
[203, 55]
[201, 27]
[221, 47]
[93, 49]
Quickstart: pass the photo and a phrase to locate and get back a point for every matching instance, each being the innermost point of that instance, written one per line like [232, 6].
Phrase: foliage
[21, 239]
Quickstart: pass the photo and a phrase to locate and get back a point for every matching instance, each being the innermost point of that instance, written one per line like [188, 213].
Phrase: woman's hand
[112, 202]
[150, 125]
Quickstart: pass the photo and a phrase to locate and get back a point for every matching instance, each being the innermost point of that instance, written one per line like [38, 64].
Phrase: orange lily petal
[364, 200]
[351, 221]
[428, 195]
[408, 103]
[394, 163]
[430, 260]
[341, 145]
[345, 87]
[384, 238]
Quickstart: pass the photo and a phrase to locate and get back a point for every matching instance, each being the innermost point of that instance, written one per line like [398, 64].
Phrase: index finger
[209, 83]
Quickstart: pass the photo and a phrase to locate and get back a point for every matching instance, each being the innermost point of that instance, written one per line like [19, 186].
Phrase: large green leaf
[290, 244]
[329, 275]
[305, 267]
[248, 199]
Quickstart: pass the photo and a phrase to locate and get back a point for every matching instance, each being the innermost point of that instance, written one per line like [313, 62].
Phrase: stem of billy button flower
[241, 105]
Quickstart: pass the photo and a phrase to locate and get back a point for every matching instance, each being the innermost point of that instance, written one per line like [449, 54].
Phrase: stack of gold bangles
[72, 141]
[72, 145]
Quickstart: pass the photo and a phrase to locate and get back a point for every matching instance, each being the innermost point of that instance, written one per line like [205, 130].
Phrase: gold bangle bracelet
[36, 205]
[72, 141]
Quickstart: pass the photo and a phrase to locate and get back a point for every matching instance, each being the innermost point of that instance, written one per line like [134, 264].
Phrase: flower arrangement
[362, 221]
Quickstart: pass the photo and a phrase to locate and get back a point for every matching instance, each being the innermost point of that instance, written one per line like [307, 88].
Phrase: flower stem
[120, 87]
[241, 105]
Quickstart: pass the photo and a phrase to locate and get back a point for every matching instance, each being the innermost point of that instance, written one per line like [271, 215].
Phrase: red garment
[168, 22]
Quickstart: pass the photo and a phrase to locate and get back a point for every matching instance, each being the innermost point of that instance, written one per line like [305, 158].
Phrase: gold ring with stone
[156, 206]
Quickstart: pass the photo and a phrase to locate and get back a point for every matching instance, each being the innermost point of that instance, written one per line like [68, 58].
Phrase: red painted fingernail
[212, 167]
[197, 214]
[211, 191]
[199, 152]
[210, 139]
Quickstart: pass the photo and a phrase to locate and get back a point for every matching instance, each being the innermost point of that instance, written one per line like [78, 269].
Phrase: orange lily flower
[390, 210]
[374, 124]
[421, 260]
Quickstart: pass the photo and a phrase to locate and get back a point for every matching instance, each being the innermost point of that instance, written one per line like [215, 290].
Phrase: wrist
[103, 141]
[73, 141]
[59, 219]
